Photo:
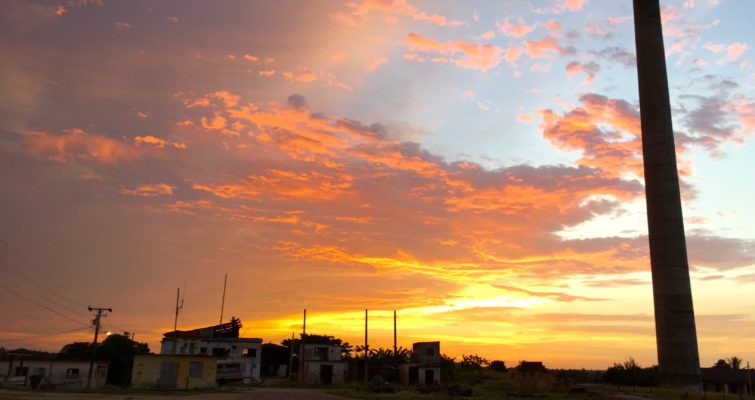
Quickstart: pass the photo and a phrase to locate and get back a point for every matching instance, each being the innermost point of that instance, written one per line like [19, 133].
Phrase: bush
[378, 385]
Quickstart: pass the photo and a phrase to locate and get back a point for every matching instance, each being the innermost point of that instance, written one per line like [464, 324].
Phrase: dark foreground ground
[256, 394]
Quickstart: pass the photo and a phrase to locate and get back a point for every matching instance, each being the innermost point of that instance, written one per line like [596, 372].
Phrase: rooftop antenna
[175, 320]
[222, 304]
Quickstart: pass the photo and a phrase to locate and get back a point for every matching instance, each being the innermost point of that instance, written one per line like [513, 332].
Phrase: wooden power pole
[94, 343]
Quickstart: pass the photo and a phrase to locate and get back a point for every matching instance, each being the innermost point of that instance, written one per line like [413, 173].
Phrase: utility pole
[395, 342]
[94, 344]
[366, 348]
[175, 320]
[222, 304]
[290, 356]
[304, 325]
[749, 381]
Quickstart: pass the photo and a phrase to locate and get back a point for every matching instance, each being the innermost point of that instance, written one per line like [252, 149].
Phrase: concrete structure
[727, 380]
[24, 370]
[678, 359]
[174, 371]
[424, 368]
[321, 363]
[221, 341]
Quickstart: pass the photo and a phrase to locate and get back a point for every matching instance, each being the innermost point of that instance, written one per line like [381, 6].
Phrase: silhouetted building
[727, 380]
[221, 341]
[424, 367]
[321, 363]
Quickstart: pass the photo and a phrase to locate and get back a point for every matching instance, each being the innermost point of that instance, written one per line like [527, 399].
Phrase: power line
[63, 293]
[56, 312]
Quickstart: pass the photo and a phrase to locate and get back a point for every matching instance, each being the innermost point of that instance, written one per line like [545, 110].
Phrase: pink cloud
[518, 29]
[543, 48]
[589, 69]
[471, 55]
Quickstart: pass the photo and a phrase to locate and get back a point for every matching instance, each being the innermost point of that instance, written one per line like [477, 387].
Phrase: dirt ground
[255, 394]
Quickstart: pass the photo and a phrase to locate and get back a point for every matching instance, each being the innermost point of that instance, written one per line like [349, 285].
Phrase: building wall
[311, 371]
[56, 372]
[236, 348]
[405, 370]
[427, 353]
[148, 369]
[315, 352]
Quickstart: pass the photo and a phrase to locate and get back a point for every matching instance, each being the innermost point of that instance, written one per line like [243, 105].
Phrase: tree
[498, 366]
[117, 350]
[76, 351]
[630, 373]
[735, 362]
[473, 361]
[678, 358]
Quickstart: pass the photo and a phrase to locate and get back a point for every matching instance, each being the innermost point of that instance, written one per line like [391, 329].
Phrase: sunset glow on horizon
[476, 166]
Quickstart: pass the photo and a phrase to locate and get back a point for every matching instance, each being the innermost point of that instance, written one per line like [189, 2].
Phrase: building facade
[220, 341]
[24, 370]
[424, 367]
[170, 371]
[321, 364]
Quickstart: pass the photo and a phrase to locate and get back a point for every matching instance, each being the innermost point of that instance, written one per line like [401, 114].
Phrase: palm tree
[678, 359]
[735, 362]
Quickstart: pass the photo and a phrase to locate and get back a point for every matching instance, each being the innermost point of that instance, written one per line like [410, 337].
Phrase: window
[233, 347]
[203, 350]
[72, 372]
[220, 352]
[246, 352]
[321, 353]
[195, 369]
[22, 371]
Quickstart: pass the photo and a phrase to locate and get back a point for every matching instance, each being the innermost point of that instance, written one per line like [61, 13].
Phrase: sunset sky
[474, 165]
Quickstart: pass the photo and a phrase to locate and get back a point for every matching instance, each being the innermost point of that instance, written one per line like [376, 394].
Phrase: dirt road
[255, 394]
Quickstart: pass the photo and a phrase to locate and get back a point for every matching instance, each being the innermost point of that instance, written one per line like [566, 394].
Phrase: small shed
[172, 371]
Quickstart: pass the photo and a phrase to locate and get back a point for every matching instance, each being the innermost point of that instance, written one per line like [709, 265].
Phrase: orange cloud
[157, 142]
[615, 150]
[359, 12]
[160, 189]
[473, 56]
[76, 144]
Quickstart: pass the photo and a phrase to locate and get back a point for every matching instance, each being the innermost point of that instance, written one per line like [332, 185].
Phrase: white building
[321, 363]
[25, 370]
[220, 341]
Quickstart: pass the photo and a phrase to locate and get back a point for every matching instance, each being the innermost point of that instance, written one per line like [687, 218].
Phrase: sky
[474, 165]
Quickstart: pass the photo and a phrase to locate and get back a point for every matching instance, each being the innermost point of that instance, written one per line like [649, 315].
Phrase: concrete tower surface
[678, 359]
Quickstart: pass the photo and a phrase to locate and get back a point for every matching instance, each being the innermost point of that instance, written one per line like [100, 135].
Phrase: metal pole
[222, 304]
[175, 321]
[304, 326]
[749, 381]
[366, 348]
[290, 355]
[395, 343]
